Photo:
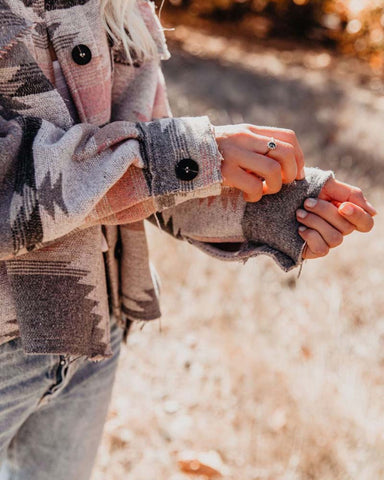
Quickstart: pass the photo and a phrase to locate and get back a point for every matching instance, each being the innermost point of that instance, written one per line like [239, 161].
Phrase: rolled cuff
[181, 159]
[270, 226]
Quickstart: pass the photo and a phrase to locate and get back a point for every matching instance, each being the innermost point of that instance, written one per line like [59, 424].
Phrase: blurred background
[254, 374]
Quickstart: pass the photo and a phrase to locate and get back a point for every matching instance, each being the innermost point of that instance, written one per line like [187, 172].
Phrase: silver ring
[272, 145]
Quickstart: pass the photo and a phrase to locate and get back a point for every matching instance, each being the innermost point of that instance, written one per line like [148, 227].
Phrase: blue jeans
[52, 412]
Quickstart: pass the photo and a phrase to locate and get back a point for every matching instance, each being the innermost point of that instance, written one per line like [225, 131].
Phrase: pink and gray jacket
[65, 182]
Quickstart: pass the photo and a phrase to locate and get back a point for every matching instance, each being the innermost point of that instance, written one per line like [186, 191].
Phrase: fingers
[346, 218]
[357, 197]
[289, 137]
[253, 164]
[358, 217]
[330, 214]
[332, 237]
[264, 167]
[316, 245]
[339, 192]
[249, 184]
[284, 154]
[324, 224]
[246, 146]
[308, 254]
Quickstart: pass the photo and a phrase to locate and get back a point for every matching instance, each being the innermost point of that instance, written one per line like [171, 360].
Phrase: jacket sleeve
[54, 181]
[228, 228]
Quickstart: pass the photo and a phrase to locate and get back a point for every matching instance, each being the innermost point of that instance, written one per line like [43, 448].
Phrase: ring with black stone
[272, 145]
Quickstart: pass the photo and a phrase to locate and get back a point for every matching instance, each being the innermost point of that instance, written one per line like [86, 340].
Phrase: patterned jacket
[64, 182]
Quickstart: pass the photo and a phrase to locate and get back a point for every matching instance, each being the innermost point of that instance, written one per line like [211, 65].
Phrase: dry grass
[283, 377]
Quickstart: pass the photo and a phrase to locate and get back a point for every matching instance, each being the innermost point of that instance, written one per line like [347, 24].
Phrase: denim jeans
[52, 412]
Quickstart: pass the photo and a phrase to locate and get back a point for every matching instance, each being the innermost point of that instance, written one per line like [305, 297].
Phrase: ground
[281, 376]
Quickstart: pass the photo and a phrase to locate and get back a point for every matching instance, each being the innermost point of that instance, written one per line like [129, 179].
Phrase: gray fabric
[63, 184]
[62, 88]
[48, 291]
[272, 221]
[61, 181]
[11, 28]
[230, 229]
[155, 139]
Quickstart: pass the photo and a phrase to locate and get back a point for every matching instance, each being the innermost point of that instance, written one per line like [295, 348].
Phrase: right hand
[338, 211]
[247, 166]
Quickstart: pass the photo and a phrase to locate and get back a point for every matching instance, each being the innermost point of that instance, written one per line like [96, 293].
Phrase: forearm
[229, 228]
[55, 181]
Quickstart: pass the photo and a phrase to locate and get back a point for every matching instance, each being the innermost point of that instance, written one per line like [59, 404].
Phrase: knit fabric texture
[64, 183]
[230, 229]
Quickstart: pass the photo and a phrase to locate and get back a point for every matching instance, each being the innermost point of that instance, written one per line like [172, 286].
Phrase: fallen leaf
[306, 351]
[209, 463]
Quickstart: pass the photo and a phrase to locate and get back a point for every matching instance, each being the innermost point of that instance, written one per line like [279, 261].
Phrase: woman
[83, 163]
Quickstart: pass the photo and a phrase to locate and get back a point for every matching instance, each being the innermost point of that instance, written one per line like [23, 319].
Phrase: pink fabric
[62, 88]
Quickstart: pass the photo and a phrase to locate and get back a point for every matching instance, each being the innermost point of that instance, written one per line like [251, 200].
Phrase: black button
[187, 169]
[81, 54]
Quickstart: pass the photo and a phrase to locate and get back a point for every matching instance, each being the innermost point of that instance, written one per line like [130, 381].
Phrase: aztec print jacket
[64, 182]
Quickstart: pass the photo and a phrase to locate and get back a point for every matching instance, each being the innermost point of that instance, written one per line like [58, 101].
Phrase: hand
[250, 167]
[339, 210]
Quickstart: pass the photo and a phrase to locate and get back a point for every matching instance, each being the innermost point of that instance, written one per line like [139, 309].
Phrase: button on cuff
[187, 169]
[181, 160]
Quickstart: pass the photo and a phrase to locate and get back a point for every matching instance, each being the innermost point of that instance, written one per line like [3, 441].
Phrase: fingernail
[301, 213]
[346, 209]
[302, 228]
[310, 202]
[302, 173]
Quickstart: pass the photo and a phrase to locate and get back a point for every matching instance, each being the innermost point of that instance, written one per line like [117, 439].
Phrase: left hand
[338, 211]
[247, 165]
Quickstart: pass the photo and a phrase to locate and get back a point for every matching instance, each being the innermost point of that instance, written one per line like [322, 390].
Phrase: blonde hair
[125, 25]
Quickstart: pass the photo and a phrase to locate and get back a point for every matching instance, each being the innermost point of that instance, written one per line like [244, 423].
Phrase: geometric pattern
[26, 225]
[143, 307]
[58, 289]
[51, 195]
[26, 76]
[60, 4]
[37, 283]
[164, 225]
[50, 295]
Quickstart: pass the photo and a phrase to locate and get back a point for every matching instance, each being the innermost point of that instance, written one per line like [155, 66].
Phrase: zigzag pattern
[51, 195]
